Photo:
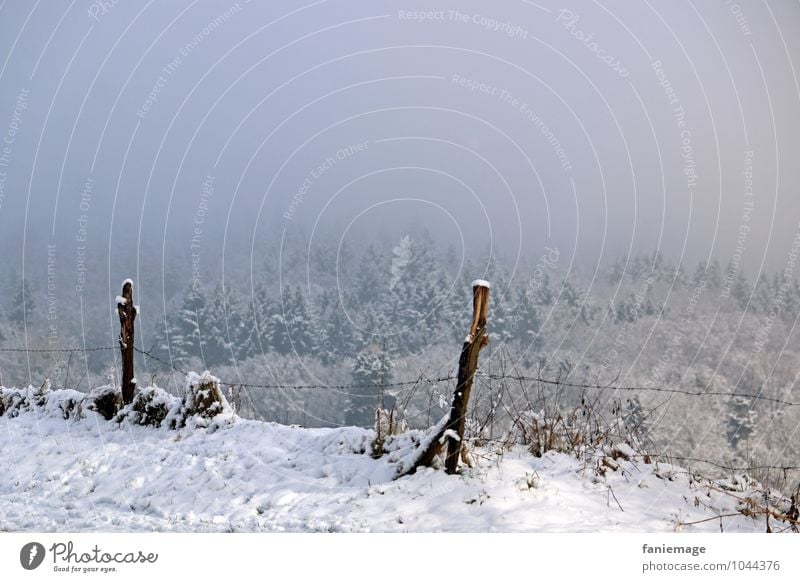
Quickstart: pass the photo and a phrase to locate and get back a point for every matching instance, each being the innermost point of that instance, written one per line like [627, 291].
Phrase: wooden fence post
[127, 314]
[451, 427]
[467, 366]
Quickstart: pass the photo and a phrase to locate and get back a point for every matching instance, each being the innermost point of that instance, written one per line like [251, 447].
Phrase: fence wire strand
[424, 380]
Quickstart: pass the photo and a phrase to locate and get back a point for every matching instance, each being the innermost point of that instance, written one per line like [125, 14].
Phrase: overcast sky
[600, 128]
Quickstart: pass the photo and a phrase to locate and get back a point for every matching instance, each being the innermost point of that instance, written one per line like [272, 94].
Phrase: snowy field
[92, 475]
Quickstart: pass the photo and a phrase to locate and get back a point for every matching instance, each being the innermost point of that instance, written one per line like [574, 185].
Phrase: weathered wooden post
[127, 314]
[451, 428]
[467, 366]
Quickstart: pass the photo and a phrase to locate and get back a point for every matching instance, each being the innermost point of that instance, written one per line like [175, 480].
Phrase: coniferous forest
[380, 325]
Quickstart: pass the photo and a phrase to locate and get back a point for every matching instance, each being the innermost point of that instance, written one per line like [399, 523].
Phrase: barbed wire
[333, 387]
[661, 457]
[639, 388]
[420, 380]
[667, 458]
[62, 350]
[157, 359]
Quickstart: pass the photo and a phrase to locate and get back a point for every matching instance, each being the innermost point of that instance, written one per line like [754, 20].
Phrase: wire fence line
[666, 457]
[423, 380]
[643, 389]
[56, 351]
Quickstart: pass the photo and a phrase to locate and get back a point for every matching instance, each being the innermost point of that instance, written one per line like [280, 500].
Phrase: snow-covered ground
[89, 474]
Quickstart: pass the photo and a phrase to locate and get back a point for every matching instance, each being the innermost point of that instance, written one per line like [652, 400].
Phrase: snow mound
[204, 404]
[151, 406]
[66, 469]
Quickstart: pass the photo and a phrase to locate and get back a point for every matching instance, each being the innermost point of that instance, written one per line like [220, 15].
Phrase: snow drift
[165, 463]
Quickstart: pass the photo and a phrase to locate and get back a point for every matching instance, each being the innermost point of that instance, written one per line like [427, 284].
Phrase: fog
[602, 129]
[187, 142]
[302, 193]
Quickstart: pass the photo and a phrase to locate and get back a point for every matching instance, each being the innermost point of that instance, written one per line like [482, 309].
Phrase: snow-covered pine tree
[256, 317]
[222, 327]
[298, 320]
[186, 337]
[371, 370]
[277, 332]
[527, 323]
[504, 315]
[763, 295]
[741, 290]
[714, 274]
[3, 322]
[543, 291]
[339, 339]
[23, 303]
[178, 337]
[742, 415]
[700, 275]
[418, 293]
[617, 270]
[371, 276]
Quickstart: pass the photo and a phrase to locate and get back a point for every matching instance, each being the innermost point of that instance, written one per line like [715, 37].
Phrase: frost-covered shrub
[13, 401]
[203, 396]
[105, 400]
[387, 424]
[58, 403]
[203, 402]
[67, 404]
[583, 431]
[150, 407]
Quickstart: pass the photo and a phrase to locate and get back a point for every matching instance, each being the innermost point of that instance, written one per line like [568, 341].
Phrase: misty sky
[598, 128]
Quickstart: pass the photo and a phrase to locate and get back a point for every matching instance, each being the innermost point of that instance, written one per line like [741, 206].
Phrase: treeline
[404, 297]
[395, 310]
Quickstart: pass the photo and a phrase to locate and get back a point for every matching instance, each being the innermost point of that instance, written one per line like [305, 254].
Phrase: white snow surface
[88, 474]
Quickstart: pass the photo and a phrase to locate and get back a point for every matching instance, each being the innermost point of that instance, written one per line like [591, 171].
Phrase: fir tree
[180, 336]
[714, 275]
[277, 330]
[339, 338]
[527, 323]
[741, 291]
[763, 295]
[186, 338]
[23, 303]
[371, 277]
[700, 276]
[298, 322]
[257, 318]
[617, 271]
[371, 371]
[222, 327]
